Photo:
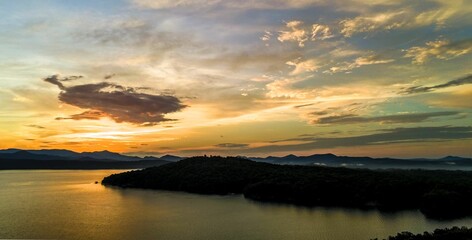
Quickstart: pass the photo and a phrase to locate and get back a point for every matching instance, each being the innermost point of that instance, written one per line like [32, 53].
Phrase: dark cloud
[457, 82]
[231, 145]
[400, 118]
[320, 113]
[385, 136]
[122, 104]
[304, 105]
[70, 78]
[56, 80]
[35, 126]
[90, 115]
[318, 134]
[108, 76]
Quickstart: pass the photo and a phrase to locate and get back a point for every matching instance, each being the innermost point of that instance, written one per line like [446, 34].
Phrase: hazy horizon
[154, 154]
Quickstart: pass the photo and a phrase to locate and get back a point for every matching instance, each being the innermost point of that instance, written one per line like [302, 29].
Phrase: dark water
[55, 204]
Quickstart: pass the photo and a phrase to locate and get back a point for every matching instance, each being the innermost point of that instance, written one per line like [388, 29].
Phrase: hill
[61, 154]
[438, 194]
[331, 160]
[63, 159]
[447, 163]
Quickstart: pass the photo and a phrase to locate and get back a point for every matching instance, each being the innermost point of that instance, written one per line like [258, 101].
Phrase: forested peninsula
[437, 194]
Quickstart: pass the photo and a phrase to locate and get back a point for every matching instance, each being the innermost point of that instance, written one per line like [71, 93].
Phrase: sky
[381, 78]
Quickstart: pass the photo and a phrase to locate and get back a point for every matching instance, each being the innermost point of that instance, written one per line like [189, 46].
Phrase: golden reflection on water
[85, 187]
[69, 205]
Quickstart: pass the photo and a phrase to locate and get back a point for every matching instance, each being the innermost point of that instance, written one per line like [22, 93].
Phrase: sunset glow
[255, 78]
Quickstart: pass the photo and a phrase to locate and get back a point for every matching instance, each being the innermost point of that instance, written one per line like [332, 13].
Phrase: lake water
[63, 204]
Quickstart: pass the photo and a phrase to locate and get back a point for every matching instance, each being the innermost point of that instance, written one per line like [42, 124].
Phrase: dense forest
[454, 233]
[438, 194]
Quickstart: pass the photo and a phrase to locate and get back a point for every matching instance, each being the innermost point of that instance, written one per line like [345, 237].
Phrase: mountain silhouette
[65, 159]
[327, 159]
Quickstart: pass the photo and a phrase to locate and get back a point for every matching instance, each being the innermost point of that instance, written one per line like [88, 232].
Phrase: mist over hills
[66, 159]
[331, 160]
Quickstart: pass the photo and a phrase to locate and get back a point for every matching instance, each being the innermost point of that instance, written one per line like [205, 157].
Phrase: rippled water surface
[63, 204]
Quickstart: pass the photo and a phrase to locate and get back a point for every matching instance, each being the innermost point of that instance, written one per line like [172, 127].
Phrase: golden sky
[257, 78]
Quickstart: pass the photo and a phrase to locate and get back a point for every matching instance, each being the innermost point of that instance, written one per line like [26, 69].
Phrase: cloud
[456, 82]
[267, 35]
[172, 4]
[144, 41]
[283, 88]
[399, 118]
[304, 105]
[369, 60]
[381, 21]
[56, 80]
[131, 32]
[445, 10]
[70, 78]
[320, 32]
[340, 5]
[298, 33]
[108, 76]
[295, 33]
[231, 145]
[358, 62]
[406, 15]
[90, 115]
[461, 98]
[237, 4]
[35, 126]
[440, 49]
[122, 104]
[309, 65]
[259, 60]
[385, 136]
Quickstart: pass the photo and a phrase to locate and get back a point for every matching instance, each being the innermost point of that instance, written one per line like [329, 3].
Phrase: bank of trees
[438, 194]
[454, 233]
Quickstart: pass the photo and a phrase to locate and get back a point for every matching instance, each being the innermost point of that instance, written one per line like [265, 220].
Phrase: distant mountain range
[32, 159]
[65, 159]
[61, 154]
[449, 162]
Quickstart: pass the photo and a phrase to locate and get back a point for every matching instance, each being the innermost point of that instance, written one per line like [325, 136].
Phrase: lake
[67, 204]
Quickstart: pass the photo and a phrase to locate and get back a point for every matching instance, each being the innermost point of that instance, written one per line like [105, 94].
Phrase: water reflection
[69, 205]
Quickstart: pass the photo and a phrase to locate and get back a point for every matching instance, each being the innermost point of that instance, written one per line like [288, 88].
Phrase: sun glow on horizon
[238, 78]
